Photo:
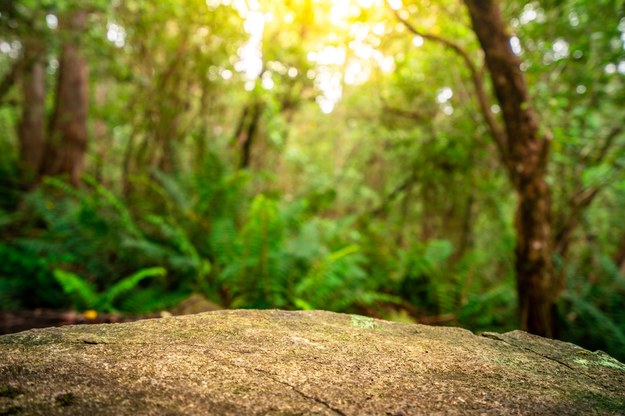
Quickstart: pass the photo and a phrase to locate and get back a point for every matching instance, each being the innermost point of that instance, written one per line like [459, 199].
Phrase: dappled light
[455, 162]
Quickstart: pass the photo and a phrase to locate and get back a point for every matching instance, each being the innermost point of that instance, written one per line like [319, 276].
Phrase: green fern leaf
[129, 283]
[82, 291]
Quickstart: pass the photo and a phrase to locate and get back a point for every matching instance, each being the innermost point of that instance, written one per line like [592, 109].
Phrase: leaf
[302, 304]
[129, 283]
[596, 175]
[116, 203]
[77, 287]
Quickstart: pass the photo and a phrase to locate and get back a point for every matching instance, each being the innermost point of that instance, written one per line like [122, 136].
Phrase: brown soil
[17, 321]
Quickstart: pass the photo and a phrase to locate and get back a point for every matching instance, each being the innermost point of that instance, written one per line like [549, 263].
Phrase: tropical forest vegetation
[451, 162]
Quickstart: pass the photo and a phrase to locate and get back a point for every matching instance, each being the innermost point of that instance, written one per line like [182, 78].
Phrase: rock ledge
[251, 362]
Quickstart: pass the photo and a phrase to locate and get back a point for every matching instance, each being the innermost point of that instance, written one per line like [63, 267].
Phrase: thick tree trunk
[537, 285]
[31, 130]
[67, 142]
[525, 154]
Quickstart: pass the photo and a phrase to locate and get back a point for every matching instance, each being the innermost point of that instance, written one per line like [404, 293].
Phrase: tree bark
[67, 143]
[246, 132]
[31, 129]
[525, 153]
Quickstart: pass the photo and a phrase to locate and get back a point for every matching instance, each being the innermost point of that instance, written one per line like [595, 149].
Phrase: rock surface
[299, 363]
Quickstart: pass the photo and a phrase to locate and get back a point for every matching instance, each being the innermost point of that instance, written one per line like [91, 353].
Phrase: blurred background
[312, 154]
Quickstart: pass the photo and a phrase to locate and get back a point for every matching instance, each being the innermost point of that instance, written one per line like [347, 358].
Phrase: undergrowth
[89, 248]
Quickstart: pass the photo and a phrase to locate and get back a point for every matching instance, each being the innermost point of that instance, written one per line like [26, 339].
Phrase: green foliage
[339, 282]
[84, 293]
[427, 276]
[10, 183]
[283, 258]
[174, 249]
[260, 272]
[592, 312]
[396, 204]
[25, 280]
[271, 254]
[491, 310]
[327, 275]
[80, 230]
[76, 226]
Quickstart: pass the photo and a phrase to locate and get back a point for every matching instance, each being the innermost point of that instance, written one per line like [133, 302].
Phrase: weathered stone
[249, 362]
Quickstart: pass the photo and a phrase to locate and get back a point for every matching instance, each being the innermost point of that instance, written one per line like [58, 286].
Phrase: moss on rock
[276, 362]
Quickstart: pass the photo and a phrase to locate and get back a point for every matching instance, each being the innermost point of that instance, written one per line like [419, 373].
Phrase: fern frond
[127, 220]
[82, 291]
[174, 190]
[129, 283]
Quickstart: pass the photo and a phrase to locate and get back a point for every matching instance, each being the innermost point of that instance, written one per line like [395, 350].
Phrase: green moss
[601, 359]
[611, 363]
[363, 322]
[581, 361]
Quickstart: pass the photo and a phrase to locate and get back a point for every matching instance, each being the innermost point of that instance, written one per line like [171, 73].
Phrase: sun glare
[334, 64]
[395, 4]
[339, 11]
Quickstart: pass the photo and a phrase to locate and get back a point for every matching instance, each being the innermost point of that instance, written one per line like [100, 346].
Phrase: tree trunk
[525, 155]
[101, 135]
[67, 143]
[246, 133]
[31, 130]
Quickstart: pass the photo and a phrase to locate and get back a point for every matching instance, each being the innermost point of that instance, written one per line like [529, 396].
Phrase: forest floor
[17, 321]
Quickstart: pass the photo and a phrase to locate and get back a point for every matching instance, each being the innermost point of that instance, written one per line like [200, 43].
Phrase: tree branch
[582, 198]
[477, 78]
[577, 203]
[412, 115]
[406, 184]
[608, 142]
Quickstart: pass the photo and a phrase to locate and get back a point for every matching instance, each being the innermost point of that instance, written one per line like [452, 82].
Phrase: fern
[592, 313]
[223, 241]
[428, 281]
[85, 295]
[151, 299]
[129, 283]
[126, 218]
[261, 274]
[493, 309]
[82, 292]
[590, 316]
[174, 191]
[335, 282]
[325, 272]
[176, 249]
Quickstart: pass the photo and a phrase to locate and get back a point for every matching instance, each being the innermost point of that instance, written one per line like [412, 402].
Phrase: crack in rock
[301, 393]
